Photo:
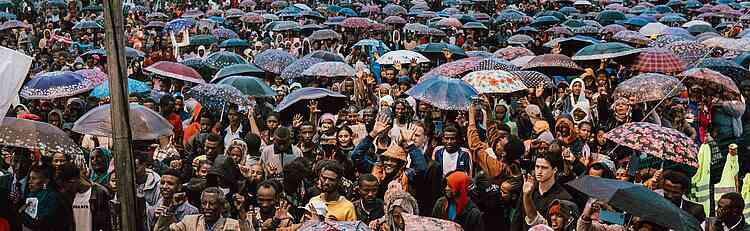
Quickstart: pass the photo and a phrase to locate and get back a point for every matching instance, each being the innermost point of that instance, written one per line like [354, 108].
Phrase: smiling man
[209, 218]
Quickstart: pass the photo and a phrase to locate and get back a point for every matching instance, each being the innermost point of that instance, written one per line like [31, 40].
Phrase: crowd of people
[376, 153]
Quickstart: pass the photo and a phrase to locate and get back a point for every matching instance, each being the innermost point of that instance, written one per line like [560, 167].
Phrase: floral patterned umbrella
[710, 79]
[662, 142]
[494, 82]
[179, 24]
[51, 85]
[444, 93]
[217, 96]
[22, 133]
[393, 9]
[553, 64]
[370, 9]
[273, 60]
[560, 31]
[221, 59]
[454, 69]
[176, 71]
[533, 79]
[658, 60]
[95, 75]
[293, 72]
[330, 69]
[416, 27]
[510, 53]
[355, 23]
[402, 57]
[224, 33]
[449, 22]
[728, 43]
[251, 17]
[145, 123]
[688, 51]
[649, 87]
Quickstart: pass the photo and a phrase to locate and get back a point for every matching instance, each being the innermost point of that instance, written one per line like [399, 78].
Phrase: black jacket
[470, 217]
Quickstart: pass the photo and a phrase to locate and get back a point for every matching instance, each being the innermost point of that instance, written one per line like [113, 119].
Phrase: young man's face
[368, 190]
[543, 170]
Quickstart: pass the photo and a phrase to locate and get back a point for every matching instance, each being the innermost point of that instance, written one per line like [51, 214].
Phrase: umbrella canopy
[235, 42]
[449, 22]
[251, 17]
[662, 142]
[480, 54]
[326, 34]
[438, 48]
[533, 79]
[177, 25]
[444, 93]
[393, 9]
[250, 86]
[95, 75]
[51, 85]
[545, 21]
[688, 51]
[494, 63]
[296, 101]
[553, 64]
[376, 44]
[217, 97]
[134, 87]
[237, 69]
[202, 40]
[155, 25]
[355, 23]
[15, 132]
[649, 87]
[637, 200]
[727, 68]
[494, 82]
[176, 71]
[13, 24]
[330, 69]
[129, 53]
[604, 51]
[631, 37]
[653, 28]
[520, 39]
[712, 80]
[273, 60]
[510, 53]
[571, 45]
[395, 20]
[658, 60]
[221, 59]
[293, 72]
[87, 24]
[728, 43]
[326, 55]
[335, 225]
[283, 26]
[145, 124]
[402, 57]
[606, 17]
[453, 69]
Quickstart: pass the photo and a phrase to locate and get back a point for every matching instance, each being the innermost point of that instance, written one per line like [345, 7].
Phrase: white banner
[14, 66]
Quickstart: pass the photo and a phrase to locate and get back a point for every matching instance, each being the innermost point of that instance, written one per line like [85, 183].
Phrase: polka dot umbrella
[221, 59]
[273, 60]
[57, 84]
[22, 133]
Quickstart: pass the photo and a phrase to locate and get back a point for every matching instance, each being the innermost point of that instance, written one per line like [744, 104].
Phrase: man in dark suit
[13, 187]
[677, 184]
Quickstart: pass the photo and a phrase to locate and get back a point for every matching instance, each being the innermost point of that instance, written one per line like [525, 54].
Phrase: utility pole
[114, 41]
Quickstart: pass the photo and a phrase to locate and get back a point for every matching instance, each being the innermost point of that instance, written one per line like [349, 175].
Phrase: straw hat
[395, 152]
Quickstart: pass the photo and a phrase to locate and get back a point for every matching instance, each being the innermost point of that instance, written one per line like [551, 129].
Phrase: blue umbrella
[348, 12]
[51, 85]
[545, 21]
[217, 97]
[235, 42]
[134, 86]
[743, 59]
[635, 21]
[217, 19]
[569, 10]
[86, 24]
[296, 102]
[57, 3]
[333, 8]
[129, 53]
[224, 33]
[510, 16]
[221, 59]
[274, 61]
[372, 43]
[293, 72]
[444, 93]
[179, 24]
[7, 16]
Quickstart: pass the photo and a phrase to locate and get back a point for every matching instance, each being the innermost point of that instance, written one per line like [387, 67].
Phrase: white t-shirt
[82, 211]
[449, 161]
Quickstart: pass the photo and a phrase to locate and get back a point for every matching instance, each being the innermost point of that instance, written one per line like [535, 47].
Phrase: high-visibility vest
[746, 195]
[701, 180]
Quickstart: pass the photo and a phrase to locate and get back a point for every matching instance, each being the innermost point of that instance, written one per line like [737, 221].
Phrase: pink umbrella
[355, 23]
[94, 74]
[175, 71]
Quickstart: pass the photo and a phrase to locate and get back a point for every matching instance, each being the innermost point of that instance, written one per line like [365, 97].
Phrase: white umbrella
[145, 123]
[653, 28]
[402, 57]
[523, 60]
[695, 22]
[330, 69]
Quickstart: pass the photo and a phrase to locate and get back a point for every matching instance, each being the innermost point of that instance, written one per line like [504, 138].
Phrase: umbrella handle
[223, 106]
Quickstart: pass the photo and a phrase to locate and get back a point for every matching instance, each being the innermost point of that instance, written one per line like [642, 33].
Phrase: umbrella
[87, 24]
[217, 96]
[273, 60]
[202, 40]
[728, 43]
[520, 39]
[134, 87]
[480, 54]
[637, 200]
[355, 23]
[157, 15]
[604, 51]
[179, 24]
[22, 133]
[234, 13]
[444, 93]
[631, 37]
[607, 17]
[376, 44]
[449, 22]
[510, 16]
[553, 64]
[145, 123]
[221, 59]
[348, 12]
[293, 72]
[393, 9]
[494, 63]
[13, 24]
[688, 51]
[6, 4]
[224, 33]
[176, 71]
[296, 101]
[710, 79]
[326, 55]
[129, 53]
[330, 69]
[155, 25]
[394, 20]
[57, 84]
[560, 31]
[652, 139]
[673, 19]
[312, 14]
[727, 68]
[335, 225]
[649, 87]
[237, 69]
[636, 22]
[416, 27]
[402, 57]
[475, 25]
[695, 22]
[586, 30]
[7, 16]
[453, 69]
[509, 53]
[533, 79]
[250, 86]
[326, 34]
[494, 82]
[612, 29]
[658, 60]
[743, 60]
[57, 3]
[653, 28]
[95, 75]
[569, 10]
[370, 9]
[438, 48]
[283, 26]
[235, 42]
[571, 45]
[252, 18]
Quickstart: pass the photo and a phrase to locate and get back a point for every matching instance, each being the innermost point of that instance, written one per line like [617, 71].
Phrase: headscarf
[534, 112]
[97, 177]
[459, 182]
[326, 116]
[584, 106]
[387, 99]
[582, 94]
[506, 117]
[396, 196]
[238, 143]
[621, 101]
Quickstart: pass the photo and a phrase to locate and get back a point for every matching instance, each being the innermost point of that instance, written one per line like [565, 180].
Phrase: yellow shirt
[342, 209]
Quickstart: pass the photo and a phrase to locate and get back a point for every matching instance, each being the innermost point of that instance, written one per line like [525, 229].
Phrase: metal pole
[114, 41]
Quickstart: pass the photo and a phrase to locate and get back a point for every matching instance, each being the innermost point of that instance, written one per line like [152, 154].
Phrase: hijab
[103, 177]
[459, 182]
[583, 106]
[582, 94]
[238, 143]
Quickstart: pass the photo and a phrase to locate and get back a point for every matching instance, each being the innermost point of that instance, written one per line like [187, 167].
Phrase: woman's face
[576, 88]
[345, 139]
[98, 161]
[500, 112]
[113, 182]
[556, 222]
[58, 159]
[397, 218]
[621, 109]
[236, 154]
[272, 122]
[37, 181]
[203, 170]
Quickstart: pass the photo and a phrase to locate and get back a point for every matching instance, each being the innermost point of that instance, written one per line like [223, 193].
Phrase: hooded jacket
[467, 214]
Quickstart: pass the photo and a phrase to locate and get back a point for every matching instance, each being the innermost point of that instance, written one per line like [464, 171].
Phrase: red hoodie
[459, 182]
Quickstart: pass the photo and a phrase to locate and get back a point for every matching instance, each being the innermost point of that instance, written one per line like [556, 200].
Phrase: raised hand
[297, 121]
[381, 124]
[413, 62]
[313, 106]
[282, 210]
[528, 185]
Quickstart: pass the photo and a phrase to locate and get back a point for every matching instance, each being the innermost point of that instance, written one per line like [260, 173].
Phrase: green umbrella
[604, 51]
[437, 48]
[545, 21]
[607, 17]
[250, 86]
[6, 4]
[235, 42]
[202, 40]
[557, 14]
[237, 69]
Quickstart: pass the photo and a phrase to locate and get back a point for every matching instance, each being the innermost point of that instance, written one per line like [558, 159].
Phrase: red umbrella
[510, 53]
[658, 60]
[710, 79]
[175, 71]
[355, 23]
